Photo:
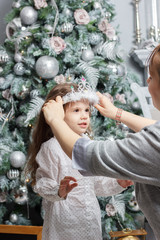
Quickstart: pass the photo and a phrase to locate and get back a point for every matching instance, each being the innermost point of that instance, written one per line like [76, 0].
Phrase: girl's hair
[155, 52]
[42, 131]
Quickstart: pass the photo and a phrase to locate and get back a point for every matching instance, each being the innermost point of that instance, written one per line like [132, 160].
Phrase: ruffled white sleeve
[105, 186]
[47, 174]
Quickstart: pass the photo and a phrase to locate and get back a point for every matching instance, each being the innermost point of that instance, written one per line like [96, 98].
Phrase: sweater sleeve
[46, 174]
[135, 157]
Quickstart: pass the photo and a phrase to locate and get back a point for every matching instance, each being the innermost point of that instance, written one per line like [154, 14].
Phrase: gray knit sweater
[137, 157]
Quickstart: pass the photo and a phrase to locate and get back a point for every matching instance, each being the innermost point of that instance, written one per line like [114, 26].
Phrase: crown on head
[84, 91]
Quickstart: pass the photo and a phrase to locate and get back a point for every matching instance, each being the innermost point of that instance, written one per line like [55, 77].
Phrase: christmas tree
[47, 43]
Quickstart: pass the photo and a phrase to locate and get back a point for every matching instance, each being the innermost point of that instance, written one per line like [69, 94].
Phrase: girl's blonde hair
[42, 131]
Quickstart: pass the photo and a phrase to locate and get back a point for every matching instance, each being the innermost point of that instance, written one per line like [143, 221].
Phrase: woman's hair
[42, 131]
[155, 52]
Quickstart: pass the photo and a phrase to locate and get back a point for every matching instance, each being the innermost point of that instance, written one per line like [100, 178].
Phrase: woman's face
[77, 116]
[154, 82]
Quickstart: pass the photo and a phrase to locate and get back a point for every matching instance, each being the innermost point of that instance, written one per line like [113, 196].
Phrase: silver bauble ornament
[34, 93]
[21, 195]
[121, 70]
[47, 67]
[18, 57]
[67, 27]
[108, 15]
[19, 69]
[3, 57]
[28, 15]
[13, 218]
[20, 121]
[112, 67]
[133, 205]
[87, 55]
[48, 27]
[17, 159]
[13, 174]
[24, 92]
[136, 105]
[94, 38]
[67, 12]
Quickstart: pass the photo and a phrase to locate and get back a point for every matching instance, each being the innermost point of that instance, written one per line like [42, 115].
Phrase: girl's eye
[76, 110]
[87, 110]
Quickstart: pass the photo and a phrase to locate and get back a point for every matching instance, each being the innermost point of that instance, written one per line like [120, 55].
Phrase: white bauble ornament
[28, 15]
[47, 67]
[67, 27]
[94, 38]
[87, 55]
[19, 69]
[17, 159]
[13, 174]
[13, 218]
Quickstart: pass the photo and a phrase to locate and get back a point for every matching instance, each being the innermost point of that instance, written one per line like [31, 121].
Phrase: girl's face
[77, 116]
[154, 83]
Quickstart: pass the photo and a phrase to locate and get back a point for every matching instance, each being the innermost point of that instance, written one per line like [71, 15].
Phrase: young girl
[78, 215]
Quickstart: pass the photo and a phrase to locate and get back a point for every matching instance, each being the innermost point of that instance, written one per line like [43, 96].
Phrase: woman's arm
[134, 122]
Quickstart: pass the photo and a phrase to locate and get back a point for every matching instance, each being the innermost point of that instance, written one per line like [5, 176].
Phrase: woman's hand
[53, 110]
[65, 186]
[105, 107]
[124, 183]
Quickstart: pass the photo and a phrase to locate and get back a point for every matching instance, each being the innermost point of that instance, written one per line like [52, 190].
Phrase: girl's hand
[105, 107]
[65, 186]
[124, 183]
[53, 110]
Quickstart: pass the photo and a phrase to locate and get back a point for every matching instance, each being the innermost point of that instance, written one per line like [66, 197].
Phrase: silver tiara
[84, 92]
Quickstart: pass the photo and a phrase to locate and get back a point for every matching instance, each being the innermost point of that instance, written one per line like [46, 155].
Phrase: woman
[136, 157]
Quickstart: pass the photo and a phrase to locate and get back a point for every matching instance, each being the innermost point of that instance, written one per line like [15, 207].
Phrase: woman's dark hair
[155, 52]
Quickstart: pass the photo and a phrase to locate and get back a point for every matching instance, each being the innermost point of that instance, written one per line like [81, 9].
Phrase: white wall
[125, 18]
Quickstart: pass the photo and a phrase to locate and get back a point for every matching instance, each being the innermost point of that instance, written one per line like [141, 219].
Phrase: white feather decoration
[34, 108]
